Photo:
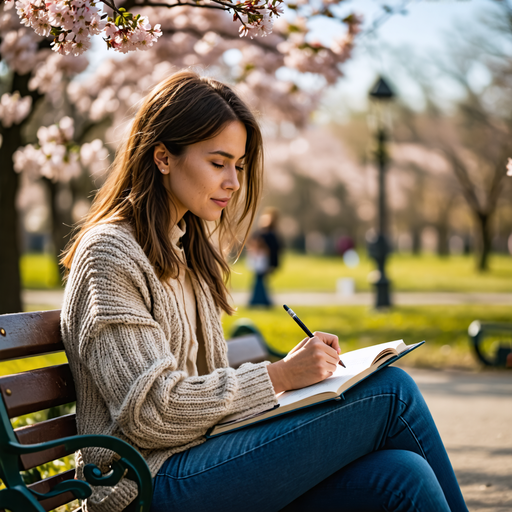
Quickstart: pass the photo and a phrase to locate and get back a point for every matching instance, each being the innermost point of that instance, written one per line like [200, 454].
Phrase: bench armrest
[131, 464]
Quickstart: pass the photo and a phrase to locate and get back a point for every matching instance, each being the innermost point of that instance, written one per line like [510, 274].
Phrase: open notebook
[359, 365]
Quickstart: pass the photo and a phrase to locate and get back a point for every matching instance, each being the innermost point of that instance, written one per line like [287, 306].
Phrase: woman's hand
[311, 361]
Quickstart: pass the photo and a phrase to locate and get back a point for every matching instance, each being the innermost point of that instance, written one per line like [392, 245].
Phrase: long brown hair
[182, 110]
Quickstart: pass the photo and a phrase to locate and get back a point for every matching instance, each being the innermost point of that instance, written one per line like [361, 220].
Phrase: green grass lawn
[315, 273]
[39, 271]
[444, 328]
[407, 273]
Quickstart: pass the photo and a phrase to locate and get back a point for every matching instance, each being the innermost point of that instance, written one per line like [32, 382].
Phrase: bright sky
[425, 31]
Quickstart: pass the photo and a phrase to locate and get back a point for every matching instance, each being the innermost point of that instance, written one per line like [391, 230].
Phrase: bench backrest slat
[36, 390]
[28, 334]
[56, 428]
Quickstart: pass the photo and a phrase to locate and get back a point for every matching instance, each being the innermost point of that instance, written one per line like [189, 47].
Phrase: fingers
[329, 339]
[323, 352]
[311, 361]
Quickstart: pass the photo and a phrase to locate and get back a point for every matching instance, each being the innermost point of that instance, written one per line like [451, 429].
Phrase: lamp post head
[381, 90]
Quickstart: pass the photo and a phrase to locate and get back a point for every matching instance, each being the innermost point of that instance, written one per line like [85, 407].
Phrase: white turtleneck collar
[177, 232]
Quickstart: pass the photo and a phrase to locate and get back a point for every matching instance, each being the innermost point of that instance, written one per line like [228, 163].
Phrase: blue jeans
[378, 449]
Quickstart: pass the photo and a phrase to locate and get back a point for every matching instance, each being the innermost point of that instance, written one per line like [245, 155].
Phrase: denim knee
[414, 483]
[423, 486]
[401, 382]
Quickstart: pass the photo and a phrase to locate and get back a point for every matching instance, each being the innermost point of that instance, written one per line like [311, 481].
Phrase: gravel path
[473, 412]
[53, 298]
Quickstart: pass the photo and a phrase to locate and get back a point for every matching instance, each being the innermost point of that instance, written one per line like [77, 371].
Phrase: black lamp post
[379, 249]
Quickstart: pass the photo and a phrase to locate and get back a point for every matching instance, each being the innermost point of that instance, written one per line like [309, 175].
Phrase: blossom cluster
[309, 56]
[73, 22]
[258, 20]
[94, 156]
[51, 74]
[509, 167]
[130, 33]
[201, 37]
[14, 108]
[19, 50]
[56, 156]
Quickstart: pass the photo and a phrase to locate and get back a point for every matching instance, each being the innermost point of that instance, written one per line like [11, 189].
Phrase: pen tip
[286, 308]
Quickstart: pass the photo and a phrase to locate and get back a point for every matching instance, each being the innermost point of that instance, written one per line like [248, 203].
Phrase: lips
[221, 202]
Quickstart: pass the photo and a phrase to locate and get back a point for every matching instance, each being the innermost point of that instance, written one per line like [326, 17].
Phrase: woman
[141, 326]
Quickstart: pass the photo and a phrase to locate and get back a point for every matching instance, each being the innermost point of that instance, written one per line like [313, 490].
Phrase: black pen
[301, 324]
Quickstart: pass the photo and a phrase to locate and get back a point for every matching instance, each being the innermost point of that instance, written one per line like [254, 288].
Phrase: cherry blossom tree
[31, 74]
[43, 48]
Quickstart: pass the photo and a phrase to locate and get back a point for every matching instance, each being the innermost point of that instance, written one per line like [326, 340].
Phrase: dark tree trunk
[483, 220]
[10, 280]
[61, 222]
[442, 239]
[416, 241]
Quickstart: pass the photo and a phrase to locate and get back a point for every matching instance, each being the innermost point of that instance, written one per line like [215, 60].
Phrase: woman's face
[205, 177]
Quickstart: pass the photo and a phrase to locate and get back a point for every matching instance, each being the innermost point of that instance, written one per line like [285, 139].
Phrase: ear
[161, 157]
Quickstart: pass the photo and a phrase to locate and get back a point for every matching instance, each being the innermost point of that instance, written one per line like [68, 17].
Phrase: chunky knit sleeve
[112, 323]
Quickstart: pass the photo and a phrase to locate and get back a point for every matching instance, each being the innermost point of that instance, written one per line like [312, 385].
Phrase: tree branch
[500, 171]
[112, 5]
[226, 35]
[388, 12]
[462, 175]
[147, 3]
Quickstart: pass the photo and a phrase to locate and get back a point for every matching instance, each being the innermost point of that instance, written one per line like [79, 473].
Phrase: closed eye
[239, 168]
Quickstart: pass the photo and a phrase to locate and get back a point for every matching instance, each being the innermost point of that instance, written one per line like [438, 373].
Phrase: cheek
[195, 187]
[202, 181]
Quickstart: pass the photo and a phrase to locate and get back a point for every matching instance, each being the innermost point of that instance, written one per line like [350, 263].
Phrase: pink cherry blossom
[29, 160]
[19, 50]
[125, 32]
[57, 157]
[94, 156]
[14, 109]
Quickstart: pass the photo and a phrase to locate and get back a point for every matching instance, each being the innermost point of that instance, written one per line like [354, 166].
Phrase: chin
[209, 216]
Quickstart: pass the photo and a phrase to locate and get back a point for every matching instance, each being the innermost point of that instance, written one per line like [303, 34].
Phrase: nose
[231, 182]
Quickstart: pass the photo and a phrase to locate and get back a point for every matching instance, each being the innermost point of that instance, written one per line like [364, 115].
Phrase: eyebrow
[223, 153]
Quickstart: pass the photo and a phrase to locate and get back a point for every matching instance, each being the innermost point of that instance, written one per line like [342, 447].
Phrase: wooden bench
[31, 334]
[478, 331]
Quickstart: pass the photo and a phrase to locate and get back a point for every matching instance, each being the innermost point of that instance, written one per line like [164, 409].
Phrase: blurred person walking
[263, 256]
[268, 231]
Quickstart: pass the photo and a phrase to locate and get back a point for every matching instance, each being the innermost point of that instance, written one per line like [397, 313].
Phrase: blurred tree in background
[448, 171]
[476, 137]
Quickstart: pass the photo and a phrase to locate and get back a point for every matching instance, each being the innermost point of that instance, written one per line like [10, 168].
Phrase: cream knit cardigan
[125, 339]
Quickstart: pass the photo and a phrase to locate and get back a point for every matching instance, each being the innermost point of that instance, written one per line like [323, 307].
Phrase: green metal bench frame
[477, 332]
